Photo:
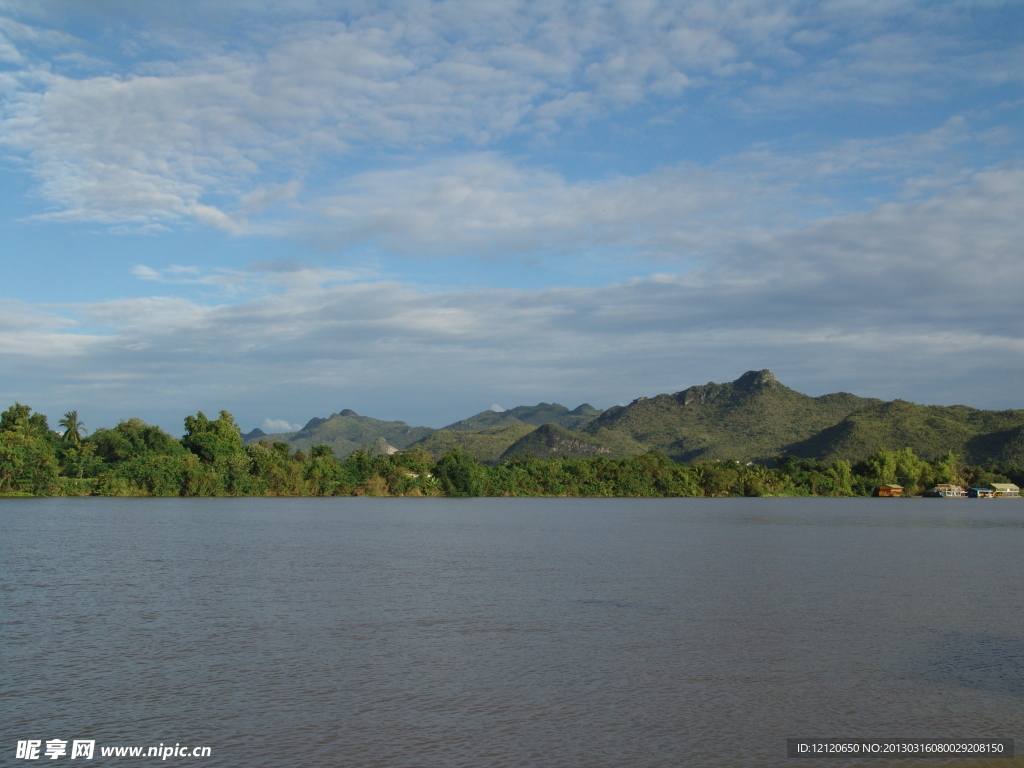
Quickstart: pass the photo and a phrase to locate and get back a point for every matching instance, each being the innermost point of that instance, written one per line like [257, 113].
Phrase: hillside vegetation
[542, 413]
[487, 445]
[977, 436]
[551, 441]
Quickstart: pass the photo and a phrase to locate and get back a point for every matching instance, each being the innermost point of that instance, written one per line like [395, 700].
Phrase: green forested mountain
[487, 445]
[344, 432]
[486, 435]
[754, 417]
[542, 413]
[978, 437]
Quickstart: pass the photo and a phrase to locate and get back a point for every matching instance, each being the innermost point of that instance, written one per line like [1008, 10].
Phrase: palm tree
[72, 428]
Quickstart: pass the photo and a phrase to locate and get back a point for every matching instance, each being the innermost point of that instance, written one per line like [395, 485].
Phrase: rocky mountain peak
[705, 393]
[755, 379]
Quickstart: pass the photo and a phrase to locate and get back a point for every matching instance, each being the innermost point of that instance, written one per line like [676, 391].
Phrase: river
[509, 632]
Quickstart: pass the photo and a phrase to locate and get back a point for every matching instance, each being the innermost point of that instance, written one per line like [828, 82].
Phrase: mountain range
[753, 418]
[344, 432]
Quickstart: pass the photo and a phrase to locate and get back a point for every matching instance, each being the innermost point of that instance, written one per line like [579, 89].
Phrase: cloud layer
[163, 130]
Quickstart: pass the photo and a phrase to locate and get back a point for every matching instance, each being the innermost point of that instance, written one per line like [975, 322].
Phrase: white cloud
[8, 52]
[222, 132]
[255, 279]
[276, 426]
[483, 204]
[146, 273]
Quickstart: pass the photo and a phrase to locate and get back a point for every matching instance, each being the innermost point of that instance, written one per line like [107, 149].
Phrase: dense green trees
[460, 474]
[212, 440]
[28, 464]
[20, 419]
[133, 439]
[139, 459]
[28, 461]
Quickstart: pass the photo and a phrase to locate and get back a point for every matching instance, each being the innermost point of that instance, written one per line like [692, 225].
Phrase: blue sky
[418, 210]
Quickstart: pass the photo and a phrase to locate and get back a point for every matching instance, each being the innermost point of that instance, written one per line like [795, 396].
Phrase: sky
[419, 210]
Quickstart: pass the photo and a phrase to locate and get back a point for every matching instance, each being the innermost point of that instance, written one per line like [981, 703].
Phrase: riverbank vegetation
[139, 459]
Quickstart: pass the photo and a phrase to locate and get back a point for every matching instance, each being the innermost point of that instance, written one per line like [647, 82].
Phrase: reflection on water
[397, 632]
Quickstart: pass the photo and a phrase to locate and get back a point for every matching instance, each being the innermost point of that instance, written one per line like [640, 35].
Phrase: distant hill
[550, 441]
[542, 413]
[487, 445]
[345, 432]
[754, 417]
[979, 437]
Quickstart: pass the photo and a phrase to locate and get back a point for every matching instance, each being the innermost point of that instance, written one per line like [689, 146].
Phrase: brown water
[401, 632]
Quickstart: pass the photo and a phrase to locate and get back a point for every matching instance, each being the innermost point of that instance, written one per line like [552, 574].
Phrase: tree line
[139, 459]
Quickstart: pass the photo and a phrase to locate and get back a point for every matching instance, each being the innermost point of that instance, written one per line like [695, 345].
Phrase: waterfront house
[979, 493]
[946, 491]
[889, 491]
[1005, 490]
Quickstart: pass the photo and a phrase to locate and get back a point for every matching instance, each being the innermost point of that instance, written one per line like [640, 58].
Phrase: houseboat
[946, 491]
[1005, 490]
[889, 491]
